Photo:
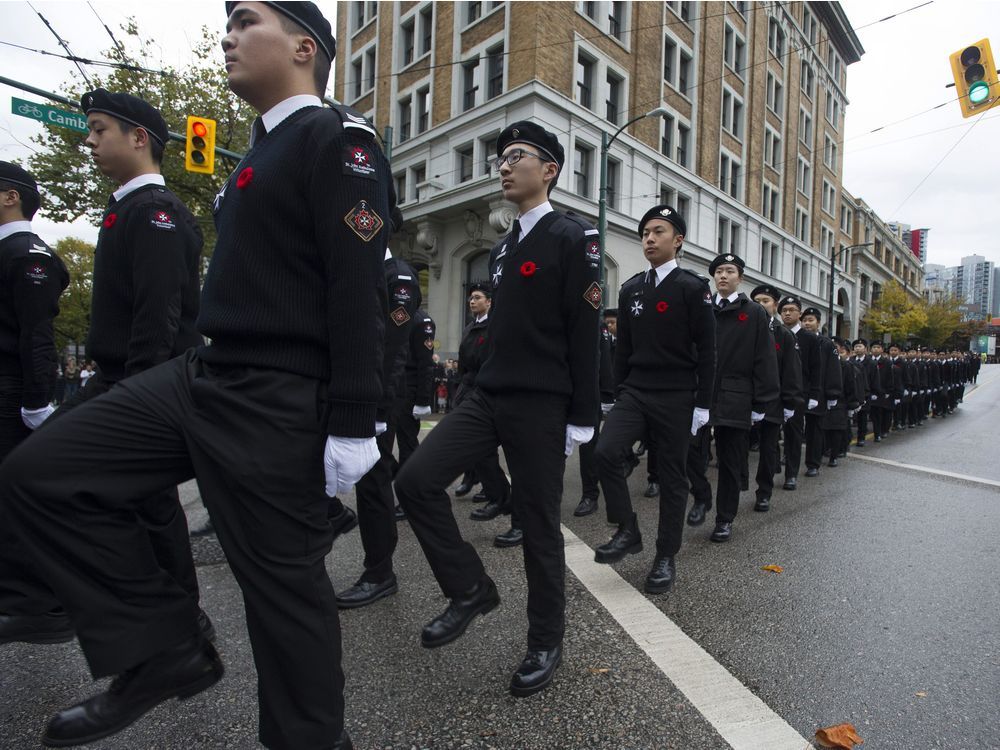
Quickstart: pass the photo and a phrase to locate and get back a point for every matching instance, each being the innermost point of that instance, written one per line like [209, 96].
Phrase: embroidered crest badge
[363, 221]
[593, 295]
[400, 316]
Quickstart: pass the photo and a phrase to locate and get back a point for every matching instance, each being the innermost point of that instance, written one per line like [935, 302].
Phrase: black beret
[878, 344]
[667, 213]
[860, 341]
[770, 291]
[814, 312]
[610, 312]
[127, 108]
[483, 288]
[894, 344]
[791, 299]
[14, 175]
[532, 135]
[726, 258]
[309, 17]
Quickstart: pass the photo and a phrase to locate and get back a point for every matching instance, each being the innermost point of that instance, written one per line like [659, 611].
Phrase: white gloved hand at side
[831, 403]
[380, 427]
[33, 418]
[699, 419]
[755, 417]
[421, 411]
[606, 407]
[788, 413]
[576, 435]
[346, 460]
[813, 403]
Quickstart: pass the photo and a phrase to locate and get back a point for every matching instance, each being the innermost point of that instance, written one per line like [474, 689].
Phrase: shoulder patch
[363, 221]
[400, 316]
[358, 161]
[593, 295]
[37, 273]
[162, 219]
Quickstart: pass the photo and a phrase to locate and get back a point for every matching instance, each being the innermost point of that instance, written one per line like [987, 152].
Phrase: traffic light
[975, 78]
[199, 155]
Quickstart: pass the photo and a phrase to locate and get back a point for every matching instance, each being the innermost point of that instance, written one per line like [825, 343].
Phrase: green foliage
[943, 320]
[896, 314]
[73, 322]
[74, 187]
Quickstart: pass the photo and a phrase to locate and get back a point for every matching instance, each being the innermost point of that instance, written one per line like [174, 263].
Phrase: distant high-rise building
[915, 239]
[974, 284]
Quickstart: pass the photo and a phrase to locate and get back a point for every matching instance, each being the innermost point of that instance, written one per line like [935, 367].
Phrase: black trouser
[12, 427]
[665, 416]
[589, 471]
[22, 590]
[767, 463]
[652, 470]
[531, 427]
[814, 440]
[835, 441]
[862, 423]
[407, 430]
[254, 438]
[376, 512]
[696, 466]
[794, 435]
[731, 446]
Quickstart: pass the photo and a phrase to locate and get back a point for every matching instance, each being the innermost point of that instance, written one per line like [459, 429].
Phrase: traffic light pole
[69, 102]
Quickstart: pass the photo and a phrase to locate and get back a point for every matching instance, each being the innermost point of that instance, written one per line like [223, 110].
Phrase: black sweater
[31, 279]
[666, 336]
[145, 296]
[297, 282]
[403, 288]
[543, 325]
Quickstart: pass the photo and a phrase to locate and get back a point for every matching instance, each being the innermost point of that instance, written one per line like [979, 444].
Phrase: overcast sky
[902, 73]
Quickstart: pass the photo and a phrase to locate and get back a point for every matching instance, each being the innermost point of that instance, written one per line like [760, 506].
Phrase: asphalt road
[885, 616]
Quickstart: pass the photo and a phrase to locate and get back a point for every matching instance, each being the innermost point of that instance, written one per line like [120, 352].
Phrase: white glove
[755, 417]
[851, 412]
[906, 393]
[896, 402]
[380, 427]
[346, 460]
[33, 418]
[831, 404]
[813, 403]
[576, 435]
[872, 399]
[606, 407]
[421, 411]
[699, 419]
[789, 413]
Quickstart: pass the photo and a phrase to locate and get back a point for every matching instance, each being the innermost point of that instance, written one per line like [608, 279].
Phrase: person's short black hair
[30, 200]
[155, 147]
[321, 63]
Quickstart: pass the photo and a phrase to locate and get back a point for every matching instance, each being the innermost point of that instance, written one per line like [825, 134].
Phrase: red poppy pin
[245, 178]
[661, 306]
[777, 346]
[109, 220]
[480, 341]
[743, 317]
[528, 269]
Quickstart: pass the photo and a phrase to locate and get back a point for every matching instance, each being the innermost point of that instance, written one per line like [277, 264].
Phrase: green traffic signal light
[979, 92]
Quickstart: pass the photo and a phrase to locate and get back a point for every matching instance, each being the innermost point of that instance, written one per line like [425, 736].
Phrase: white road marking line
[743, 719]
[927, 470]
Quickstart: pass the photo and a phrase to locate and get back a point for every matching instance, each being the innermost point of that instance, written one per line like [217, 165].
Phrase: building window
[582, 156]
[405, 118]
[802, 225]
[846, 219]
[734, 51]
[358, 77]
[614, 169]
[683, 144]
[667, 139]
[671, 197]
[614, 102]
[772, 149]
[775, 38]
[423, 109]
[829, 152]
[809, 25]
[741, 8]
[469, 85]
[585, 80]
[729, 175]
[401, 188]
[865, 281]
[487, 147]
[827, 241]
[465, 158]
[732, 113]
[362, 12]
[494, 72]
[669, 60]
[770, 258]
[832, 109]
[685, 11]
[426, 29]
[801, 276]
[775, 95]
[616, 20]
[683, 72]
[683, 206]
[590, 10]
[803, 177]
[805, 127]
[473, 11]
[408, 37]
[829, 198]
[728, 238]
[370, 70]
[419, 178]
[771, 208]
[807, 79]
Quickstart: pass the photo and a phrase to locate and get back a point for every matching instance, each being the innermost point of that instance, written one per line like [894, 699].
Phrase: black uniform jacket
[746, 371]
[418, 375]
[403, 287]
[786, 349]
[812, 370]
[32, 277]
[831, 377]
[850, 376]
[472, 353]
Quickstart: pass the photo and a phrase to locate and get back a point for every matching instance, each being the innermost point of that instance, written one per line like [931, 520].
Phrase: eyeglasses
[512, 158]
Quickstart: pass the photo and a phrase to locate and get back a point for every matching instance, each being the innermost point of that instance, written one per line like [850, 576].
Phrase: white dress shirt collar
[664, 269]
[731, 298]
[529, 218]
[13, 227]
[137, 182]
[481, 318]
[795, 328]
[277, 114]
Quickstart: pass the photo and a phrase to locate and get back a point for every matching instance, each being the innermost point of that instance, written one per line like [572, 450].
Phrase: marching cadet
[536, 395]
[920, 398]
[145, 291]
[746, 382]
[783, 408]
[790, 309]
[882, 404]
[831, 384]
[900, 390]
[837, 422]
[32, 278]
[872, 389]
[664, 373]
[282, 401]
[589, 470]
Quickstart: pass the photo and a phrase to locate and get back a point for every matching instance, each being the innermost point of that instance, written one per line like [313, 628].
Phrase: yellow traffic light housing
[975, 78]
[199, 154]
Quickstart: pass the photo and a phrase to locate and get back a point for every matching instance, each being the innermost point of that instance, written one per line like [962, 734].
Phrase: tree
[73, 323]
[895, 314]
[943, 319]
[74, 187]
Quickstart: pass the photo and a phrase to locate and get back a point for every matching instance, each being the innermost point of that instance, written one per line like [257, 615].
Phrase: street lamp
[833, 275]
[602, 216]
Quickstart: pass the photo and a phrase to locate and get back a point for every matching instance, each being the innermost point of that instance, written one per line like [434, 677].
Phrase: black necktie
[723, 302]
[515, 233]
[257, 131]
[651, 278]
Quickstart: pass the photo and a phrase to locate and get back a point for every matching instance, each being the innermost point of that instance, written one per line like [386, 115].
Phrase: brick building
[750, 151]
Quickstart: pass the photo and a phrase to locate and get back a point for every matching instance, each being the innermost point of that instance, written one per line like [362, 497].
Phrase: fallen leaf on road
[773, 568]
[921, 694]
[841, 737]
[599, 670]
